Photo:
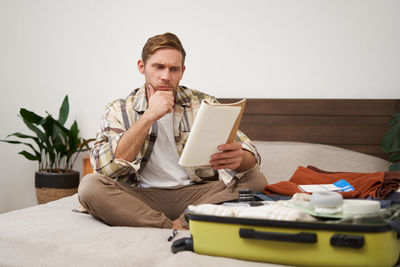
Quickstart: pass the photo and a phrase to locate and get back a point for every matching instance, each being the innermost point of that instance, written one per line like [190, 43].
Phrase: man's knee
[89, 188]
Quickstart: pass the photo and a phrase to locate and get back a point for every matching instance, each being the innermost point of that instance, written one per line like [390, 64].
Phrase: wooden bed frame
[355, 124]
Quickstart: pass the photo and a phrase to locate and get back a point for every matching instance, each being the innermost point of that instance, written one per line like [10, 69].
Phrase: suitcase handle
[301, 237]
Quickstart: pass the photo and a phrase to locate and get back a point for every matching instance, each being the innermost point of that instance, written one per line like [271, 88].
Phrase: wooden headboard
[355, 124]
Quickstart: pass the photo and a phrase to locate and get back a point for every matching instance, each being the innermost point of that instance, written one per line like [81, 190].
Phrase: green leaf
[47, 124]
[29, 155]
[24, 136]
[61, 148]
[21, 135]
[390, 142]
[60, 142]
[394, 157]
[74, 141]
[11, 142]
[74, 134]
[62, 128]
[30, 116]
[64, 111]
[395, 119]
[18, 142]
[63, 134]
[27, 144]
[36, 130]
[395, 167]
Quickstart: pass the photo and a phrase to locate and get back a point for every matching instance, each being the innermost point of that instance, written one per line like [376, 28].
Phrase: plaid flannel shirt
[122, 113]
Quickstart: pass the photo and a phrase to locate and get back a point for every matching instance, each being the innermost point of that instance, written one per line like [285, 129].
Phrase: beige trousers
[121, 205]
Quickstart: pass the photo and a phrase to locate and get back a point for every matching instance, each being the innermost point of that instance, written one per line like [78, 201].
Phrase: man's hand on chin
[160, 102]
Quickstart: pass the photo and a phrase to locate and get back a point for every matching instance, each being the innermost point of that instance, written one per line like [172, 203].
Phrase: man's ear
[140, 65]
[183, 69]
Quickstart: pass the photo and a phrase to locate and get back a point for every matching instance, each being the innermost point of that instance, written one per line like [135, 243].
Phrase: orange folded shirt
[365, 184]
[391, 182]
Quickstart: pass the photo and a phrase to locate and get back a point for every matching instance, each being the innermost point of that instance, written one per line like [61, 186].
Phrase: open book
[215, 124]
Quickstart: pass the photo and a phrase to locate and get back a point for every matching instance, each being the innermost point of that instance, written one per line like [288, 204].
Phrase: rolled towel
[270, 212]
[273, 212]
[216, 210]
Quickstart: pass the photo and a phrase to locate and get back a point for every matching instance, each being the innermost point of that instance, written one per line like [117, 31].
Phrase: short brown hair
[166, 40]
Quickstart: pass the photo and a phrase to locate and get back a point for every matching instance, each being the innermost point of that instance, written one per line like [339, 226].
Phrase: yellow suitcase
[292, 243]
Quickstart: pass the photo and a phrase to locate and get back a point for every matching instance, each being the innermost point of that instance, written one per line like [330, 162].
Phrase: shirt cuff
[135, 164]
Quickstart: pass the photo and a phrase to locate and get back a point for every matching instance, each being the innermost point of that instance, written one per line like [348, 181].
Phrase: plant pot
[53, 186]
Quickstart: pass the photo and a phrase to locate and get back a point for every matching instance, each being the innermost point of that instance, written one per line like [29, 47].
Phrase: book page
[213, 126]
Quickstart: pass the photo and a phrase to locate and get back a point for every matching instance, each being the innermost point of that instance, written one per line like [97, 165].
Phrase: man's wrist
[248, 161]
[149, 117]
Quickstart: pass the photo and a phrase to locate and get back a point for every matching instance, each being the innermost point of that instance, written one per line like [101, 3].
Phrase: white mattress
[54, 235]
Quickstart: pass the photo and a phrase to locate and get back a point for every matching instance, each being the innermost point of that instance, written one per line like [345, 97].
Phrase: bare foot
[176, 224]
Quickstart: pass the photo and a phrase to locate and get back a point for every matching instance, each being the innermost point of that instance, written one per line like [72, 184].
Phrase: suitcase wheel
[183, 244]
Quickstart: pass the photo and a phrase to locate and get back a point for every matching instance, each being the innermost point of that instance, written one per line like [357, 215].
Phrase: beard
[162, 87]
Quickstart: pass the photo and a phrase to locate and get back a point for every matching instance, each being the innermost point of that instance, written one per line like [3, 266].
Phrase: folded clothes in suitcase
[293, 242]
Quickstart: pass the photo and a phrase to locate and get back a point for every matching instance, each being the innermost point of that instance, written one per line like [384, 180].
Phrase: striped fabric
[122, 113]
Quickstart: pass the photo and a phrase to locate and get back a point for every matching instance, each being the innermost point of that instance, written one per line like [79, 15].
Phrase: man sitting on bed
[138, 180]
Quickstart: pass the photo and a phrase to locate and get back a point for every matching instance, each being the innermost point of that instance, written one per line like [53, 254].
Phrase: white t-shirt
[162, 170]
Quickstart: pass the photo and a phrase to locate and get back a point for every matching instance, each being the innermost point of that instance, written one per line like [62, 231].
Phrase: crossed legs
[120, 205]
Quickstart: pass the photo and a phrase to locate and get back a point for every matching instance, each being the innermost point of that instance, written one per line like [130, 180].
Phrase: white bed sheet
[54, 235]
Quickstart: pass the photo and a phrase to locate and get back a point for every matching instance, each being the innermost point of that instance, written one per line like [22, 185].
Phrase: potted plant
[391, 142]
[55, 148]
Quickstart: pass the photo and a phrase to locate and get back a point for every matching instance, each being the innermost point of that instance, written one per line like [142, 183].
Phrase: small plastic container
[245, 196]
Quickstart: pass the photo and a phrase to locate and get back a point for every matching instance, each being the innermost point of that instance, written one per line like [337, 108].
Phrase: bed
[53, 235]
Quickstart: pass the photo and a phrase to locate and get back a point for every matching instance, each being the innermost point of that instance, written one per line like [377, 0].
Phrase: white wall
[257, 49]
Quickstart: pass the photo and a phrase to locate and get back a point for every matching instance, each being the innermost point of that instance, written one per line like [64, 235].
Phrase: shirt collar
[139, 99]
[182, 98]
